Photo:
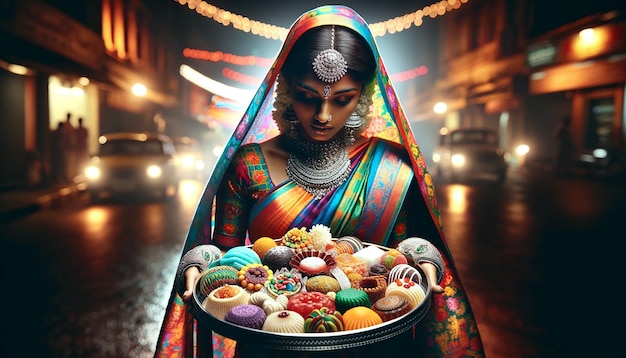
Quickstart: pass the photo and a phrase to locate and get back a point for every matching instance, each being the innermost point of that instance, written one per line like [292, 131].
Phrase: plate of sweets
[310, 291]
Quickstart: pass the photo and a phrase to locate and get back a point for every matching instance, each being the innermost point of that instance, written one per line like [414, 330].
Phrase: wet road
[93, 280]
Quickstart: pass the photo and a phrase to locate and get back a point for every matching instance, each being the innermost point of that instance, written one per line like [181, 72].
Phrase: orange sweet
[262, 245]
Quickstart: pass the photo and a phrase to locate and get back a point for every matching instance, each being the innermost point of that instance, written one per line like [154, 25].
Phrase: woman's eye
[306, 97]
[343, 101]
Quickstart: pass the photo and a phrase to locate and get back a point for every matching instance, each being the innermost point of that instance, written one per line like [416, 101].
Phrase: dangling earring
[290, 116]
[354, 121]
[352, 124]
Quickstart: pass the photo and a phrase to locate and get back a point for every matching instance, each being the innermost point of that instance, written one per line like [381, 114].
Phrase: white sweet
[371, 255]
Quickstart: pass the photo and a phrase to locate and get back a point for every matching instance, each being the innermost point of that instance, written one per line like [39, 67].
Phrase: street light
[440, 107]
[139, 90]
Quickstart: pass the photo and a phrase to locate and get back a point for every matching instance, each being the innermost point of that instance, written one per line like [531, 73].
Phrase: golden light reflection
[96, 221]
[189, 193]
[458, 199]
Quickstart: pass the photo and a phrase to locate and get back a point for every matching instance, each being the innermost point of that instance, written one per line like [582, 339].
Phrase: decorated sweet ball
[239, 257]
[215, 277]
[403, 271]
[246, 315]
[390, 307]
[352, 241]
[222, 299]
[296, 238]
[323, 320]
[262, 245]
[284, 321]
[284, 282]
[305, 302]
[323, 284]
[278, 257]
[351, 297]
[407, 289]
[393, 258]
[253, 276]
[360, 317]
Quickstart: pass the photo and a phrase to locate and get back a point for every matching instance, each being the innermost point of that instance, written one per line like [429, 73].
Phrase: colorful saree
[382, 202]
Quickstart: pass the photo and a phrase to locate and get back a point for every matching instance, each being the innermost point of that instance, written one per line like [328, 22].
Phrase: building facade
[81, 58]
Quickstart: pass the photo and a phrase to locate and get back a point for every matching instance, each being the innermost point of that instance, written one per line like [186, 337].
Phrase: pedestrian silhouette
[565, 147]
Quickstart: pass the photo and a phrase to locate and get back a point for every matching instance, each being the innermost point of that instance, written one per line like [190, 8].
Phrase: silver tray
[316, 341]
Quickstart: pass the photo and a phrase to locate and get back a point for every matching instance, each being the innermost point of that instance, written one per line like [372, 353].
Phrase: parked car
[129, 163]
[470, 153]
[190, 158]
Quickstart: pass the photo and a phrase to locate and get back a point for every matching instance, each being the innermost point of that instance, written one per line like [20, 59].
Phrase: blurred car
[190, 158]
[129, 163]
[470, 153]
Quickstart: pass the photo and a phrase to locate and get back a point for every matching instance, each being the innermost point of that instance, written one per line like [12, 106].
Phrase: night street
[93, 280]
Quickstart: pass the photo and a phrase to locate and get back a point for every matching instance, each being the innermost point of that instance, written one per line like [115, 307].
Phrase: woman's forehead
[312, 83]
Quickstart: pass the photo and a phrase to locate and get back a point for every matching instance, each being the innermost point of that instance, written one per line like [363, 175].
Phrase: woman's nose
[324, 115]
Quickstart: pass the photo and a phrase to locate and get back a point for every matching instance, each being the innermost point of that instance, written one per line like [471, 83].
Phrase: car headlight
[458, 160]
[92, 172]
[187, 161]
[154, 171]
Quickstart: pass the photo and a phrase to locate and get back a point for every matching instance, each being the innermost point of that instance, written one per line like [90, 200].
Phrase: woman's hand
[431, 271]
[190, 278]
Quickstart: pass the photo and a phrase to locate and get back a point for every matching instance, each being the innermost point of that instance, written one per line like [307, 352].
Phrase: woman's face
[323, 117]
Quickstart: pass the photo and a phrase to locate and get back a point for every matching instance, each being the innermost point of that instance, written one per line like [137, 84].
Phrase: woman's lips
[322, 129]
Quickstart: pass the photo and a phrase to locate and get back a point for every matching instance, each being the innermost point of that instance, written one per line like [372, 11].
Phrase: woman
[344, 157]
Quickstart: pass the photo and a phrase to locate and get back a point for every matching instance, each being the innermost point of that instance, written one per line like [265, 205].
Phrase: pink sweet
[393, 258]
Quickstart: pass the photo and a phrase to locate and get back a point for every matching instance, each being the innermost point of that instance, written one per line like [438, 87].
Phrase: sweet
[393, 258]
[239, 257]
[403, 271]
[323, 320]
[296, 238]
[323, 284]
[348, 264]
[284, 321]
[390, 307]
[312, 262]
[360, 317]
[222, 299]
[262, 245]
[246, 315]
[379, 270]
[270, 304]
[351, 297]
[284, 282]
[252, 277]
[407, 289]
[215, 277]
[278, 257]
[321, 238]
[374, 286]
[371, 255]
[352, 241]
[305, 302]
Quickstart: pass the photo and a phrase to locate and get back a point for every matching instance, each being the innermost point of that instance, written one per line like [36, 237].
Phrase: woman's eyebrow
[311, 89]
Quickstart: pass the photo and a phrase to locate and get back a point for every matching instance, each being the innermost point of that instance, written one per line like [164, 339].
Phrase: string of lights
[390, 26]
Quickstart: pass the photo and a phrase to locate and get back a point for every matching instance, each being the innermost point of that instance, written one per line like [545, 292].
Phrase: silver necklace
[317, 167]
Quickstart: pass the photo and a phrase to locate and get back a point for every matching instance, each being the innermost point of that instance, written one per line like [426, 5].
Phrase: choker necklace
[317, 168]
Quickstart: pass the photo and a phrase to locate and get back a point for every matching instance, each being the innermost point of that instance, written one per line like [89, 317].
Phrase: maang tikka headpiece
[329, 65]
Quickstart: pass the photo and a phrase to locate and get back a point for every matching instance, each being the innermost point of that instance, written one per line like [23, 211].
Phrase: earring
[354, 121]
[290, 116]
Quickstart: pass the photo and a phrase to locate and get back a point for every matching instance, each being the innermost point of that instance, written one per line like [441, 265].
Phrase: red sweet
[305, 302]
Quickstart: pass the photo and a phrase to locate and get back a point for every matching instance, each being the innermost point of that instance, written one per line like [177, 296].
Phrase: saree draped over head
[389, 169]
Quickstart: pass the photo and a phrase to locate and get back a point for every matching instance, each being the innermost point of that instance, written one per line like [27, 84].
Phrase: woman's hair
[355, 50]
